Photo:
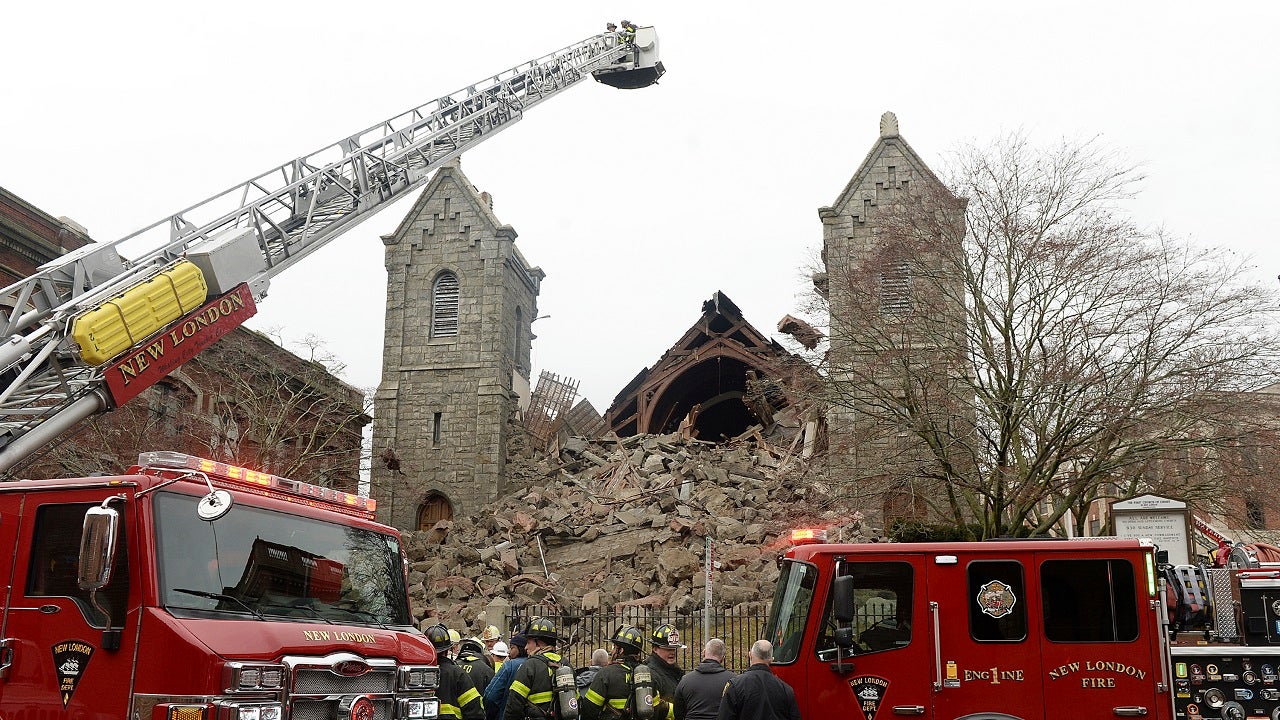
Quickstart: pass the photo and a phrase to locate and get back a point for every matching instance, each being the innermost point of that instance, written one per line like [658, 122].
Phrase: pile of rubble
[610, 524]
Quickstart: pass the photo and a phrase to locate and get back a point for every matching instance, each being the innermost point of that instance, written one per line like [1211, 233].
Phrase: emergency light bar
[260, 482]
[808, 536]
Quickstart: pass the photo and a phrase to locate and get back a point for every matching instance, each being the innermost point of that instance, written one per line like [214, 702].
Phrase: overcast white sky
[638, 205]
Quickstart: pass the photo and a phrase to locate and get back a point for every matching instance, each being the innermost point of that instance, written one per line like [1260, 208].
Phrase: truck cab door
[987, 650]
[885, 671]
[1100, 642]
[71, 657]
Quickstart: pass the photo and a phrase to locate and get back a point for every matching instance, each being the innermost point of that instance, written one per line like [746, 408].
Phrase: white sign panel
[1166, 528]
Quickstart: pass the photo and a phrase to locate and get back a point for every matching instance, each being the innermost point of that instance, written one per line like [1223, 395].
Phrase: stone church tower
[891, 244]
[461, 301]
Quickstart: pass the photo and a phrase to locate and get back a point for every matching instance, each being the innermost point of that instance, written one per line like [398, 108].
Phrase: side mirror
[842, 599]
[98, 547]
[844, 637]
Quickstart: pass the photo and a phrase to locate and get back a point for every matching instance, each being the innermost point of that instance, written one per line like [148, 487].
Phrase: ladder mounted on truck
[89, 330]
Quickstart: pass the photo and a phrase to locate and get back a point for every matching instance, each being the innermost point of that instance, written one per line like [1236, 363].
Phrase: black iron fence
[583, 632]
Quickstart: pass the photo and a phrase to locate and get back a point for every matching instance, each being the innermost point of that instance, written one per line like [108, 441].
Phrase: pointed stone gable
[446, 209]
[890, 169]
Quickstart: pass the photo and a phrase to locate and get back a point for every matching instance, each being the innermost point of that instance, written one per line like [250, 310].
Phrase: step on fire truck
[1023, 630]
[188, 589]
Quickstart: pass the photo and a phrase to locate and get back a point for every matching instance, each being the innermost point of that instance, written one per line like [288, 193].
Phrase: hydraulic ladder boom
[51, 378]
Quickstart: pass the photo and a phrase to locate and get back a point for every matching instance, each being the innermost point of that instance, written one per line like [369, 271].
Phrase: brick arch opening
[434, 508]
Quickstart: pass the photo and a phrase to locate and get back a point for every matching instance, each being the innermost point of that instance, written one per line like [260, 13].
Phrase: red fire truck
[193, 590]
[1023, 629]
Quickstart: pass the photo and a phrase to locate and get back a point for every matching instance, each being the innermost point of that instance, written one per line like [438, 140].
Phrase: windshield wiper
[314, 613]
[373, 618]
[220, 596]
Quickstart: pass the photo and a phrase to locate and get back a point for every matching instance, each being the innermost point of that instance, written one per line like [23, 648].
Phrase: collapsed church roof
[716, 381]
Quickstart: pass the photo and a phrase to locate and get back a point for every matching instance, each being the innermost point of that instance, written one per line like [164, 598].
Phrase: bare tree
[286, 415]
[1050, 352]
[244, 401]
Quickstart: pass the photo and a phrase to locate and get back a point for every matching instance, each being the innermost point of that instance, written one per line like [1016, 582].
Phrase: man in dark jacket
[662, 661]
[758, 694]
[698, 694]
[599, 659]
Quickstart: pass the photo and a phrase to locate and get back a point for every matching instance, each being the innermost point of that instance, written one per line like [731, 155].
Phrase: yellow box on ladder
[138, 313]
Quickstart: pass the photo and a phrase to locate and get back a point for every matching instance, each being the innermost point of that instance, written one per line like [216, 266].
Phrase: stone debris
[614, 524]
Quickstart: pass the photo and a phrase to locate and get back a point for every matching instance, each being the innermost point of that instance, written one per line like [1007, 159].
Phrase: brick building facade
[461, 301]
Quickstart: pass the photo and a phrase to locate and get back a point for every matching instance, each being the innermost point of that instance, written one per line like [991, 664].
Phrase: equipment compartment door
[884, 674]
[990, 661]
[61, 667]
[1100, 638]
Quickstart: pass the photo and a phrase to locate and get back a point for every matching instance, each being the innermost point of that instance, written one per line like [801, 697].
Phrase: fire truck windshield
[268, 564]
[790, 610]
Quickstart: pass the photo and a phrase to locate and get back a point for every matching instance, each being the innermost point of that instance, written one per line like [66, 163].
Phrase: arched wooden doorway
[434, 508]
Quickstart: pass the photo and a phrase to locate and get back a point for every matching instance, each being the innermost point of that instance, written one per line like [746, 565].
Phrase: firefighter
[473, 662]
[532, 695]
[628, 32]
[612, 693]
[490, 637]
[456, 693]
[455, 640]
[662, 661]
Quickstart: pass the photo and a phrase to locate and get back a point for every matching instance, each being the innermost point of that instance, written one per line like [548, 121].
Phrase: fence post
[706, 607]
[498, 614]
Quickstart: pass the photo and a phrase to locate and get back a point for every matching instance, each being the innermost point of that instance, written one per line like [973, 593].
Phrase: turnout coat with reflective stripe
[457, 694]
[532, 693]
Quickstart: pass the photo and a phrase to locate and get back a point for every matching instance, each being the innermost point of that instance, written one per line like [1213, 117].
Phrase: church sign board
[1163, 521]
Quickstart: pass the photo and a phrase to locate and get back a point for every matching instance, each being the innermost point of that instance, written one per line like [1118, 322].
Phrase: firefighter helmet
[666, 636]
[629, 637]
[542, 627]
[455, 637]
[471, 645]
[490, 633]
[438, 636]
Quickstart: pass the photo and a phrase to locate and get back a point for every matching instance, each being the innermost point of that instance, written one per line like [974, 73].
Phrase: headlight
[419, 677]
[246, 677]
[420, 709]
[256, 711]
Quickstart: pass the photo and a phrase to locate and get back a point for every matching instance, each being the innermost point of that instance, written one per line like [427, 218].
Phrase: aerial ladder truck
[92, 329]
[146, 595]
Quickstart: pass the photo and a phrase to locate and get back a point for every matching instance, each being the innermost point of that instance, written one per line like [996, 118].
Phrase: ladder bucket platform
[630, 79]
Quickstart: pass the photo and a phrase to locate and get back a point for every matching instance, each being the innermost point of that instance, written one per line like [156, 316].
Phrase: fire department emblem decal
[996, 599]
[70, 658]
[869, 690]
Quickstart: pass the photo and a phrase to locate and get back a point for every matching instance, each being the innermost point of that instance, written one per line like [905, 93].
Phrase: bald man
[758, 694]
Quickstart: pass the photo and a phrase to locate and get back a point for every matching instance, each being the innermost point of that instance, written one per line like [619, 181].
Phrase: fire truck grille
[323, 682]
[328, 710]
